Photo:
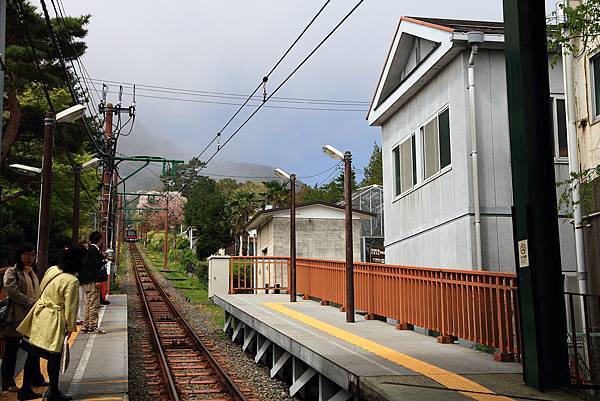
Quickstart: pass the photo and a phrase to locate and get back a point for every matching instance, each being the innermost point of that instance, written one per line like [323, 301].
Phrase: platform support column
[249, 334]
[239, 325]
[301, 375]
[280, 357]
[228, 320]
[262, 345]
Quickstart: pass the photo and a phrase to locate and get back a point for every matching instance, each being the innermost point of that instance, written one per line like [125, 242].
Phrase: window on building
[559, 127]
[405, 166]
[595, 64]
[436, 144]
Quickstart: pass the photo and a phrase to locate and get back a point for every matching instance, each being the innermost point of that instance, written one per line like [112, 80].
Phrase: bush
[156, 240]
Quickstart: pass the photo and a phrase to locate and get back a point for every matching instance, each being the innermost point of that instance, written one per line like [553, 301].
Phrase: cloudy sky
[227, 46]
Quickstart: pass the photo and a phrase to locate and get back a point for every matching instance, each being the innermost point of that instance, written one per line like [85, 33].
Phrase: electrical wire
[244, 104]
[284, 82]
[280, 85]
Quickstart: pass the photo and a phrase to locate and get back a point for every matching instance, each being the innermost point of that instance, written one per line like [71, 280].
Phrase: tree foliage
[374, 170]
[206, 209]
[25, 104]
[579, 31]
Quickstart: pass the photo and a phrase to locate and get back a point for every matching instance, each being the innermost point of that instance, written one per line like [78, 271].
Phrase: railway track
[179, 364]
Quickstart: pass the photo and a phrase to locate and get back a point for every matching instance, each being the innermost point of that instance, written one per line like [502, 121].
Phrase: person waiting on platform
[22, 288]
[93, 274]
[52, 319]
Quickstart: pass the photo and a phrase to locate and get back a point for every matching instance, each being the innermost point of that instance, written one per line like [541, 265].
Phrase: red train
[131, 235]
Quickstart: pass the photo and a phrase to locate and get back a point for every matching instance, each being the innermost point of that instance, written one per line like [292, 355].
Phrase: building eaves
[463, 26]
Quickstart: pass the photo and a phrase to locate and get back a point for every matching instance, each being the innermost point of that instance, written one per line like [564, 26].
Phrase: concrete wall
[315, 238]
[218, 275]
[432, 224]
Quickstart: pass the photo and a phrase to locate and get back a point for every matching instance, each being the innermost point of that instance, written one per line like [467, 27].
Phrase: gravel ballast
[253, 376]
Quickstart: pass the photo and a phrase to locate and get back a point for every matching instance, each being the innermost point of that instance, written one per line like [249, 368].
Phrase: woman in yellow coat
[53, 317]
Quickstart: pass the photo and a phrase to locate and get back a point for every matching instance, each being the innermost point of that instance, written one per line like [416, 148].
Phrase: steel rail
[224, 377]
[164, 366]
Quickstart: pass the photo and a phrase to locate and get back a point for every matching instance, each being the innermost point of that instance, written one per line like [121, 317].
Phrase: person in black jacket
[93, 273]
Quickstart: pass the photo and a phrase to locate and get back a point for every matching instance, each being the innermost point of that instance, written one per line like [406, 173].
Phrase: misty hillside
[144, 142]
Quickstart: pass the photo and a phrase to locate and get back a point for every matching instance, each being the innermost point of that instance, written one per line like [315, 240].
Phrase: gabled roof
[264, 215]
[457, 25]
[398, 83]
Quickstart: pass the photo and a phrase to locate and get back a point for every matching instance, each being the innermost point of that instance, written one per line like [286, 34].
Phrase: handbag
[6, 312]
[6, 307]
[65, 356]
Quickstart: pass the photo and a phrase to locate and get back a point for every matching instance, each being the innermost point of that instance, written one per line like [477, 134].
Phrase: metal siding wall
[440, 200]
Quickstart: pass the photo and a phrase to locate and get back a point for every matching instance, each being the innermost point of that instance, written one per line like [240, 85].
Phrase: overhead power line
[285, 81]
[245, 104]
[278, 87]
[223, 95]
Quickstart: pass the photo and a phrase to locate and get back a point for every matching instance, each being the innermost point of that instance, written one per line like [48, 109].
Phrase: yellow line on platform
[446, 378]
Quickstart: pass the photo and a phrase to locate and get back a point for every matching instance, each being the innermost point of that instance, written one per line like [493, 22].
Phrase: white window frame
[414, 164]
[553, 98]
[422, 148]
[595, 111]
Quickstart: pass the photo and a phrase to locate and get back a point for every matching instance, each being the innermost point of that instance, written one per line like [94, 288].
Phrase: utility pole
[293, 238]
[76, 203]
[44, 216]
[2, 61]
[107, 173]
[349, 245]
[166, 242]
[534, 214]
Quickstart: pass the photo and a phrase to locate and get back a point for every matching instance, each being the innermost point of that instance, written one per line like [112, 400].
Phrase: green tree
[579, 31]
[206, 210]
[25, 105]
[332, 191]
[22, 75]
[243, 206]
[374, 170]
[275, 194]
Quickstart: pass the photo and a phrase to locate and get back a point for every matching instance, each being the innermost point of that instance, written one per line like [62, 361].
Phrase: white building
[422, 104]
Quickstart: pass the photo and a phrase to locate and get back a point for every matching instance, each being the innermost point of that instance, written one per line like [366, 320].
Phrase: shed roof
[264, 215]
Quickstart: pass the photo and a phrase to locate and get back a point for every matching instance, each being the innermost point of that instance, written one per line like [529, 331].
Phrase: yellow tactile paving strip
[446, 378]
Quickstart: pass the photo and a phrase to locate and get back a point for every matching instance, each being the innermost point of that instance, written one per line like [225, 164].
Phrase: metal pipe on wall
[574, 170]
[474, 39]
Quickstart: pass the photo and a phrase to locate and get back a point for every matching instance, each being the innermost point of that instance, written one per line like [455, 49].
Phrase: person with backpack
[21, 284]
[91, 277]
[51, 321]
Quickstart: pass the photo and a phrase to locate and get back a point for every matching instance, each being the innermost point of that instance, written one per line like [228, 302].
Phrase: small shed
[320, 231]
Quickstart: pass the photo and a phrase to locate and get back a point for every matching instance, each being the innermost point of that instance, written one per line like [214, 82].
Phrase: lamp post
[346, 157]
[76, 192]
[292, 178]
[68, 115]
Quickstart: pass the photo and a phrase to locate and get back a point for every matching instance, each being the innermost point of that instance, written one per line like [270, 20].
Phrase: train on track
[131, 235]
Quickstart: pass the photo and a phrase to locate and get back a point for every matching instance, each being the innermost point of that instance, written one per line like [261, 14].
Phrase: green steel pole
[535, 216]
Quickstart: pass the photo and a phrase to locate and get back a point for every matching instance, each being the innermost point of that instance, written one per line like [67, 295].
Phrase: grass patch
[190, 286]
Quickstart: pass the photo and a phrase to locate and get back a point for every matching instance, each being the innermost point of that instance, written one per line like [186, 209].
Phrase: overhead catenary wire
[280, 85]
[245, 104]
[285, 80]
[225, 95]
[263, 81]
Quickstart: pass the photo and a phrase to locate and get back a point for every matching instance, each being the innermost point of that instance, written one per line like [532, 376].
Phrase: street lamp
[292, 178]
[90, 164]
[21, 169]
[347, 158]
[25, 170]
[71, 114]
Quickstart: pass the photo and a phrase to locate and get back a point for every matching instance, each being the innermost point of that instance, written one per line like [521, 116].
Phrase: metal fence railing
[583, 327]
[481, 307]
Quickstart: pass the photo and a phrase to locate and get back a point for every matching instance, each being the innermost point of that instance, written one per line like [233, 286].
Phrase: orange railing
[249, 274]
[477, 306]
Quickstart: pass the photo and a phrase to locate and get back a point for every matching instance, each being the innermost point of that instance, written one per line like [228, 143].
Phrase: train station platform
[325, 358]
[98, 370]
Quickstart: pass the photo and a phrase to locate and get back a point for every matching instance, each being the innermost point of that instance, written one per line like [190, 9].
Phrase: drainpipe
[474, 39]
[569, 83]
